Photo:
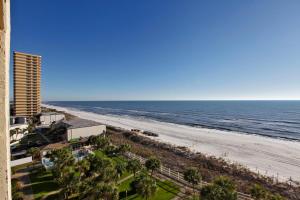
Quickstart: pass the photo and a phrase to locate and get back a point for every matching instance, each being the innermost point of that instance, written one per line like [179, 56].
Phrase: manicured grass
[115, 159]
[42, 183]
[125, 185]
[100, 154]
[166, 190]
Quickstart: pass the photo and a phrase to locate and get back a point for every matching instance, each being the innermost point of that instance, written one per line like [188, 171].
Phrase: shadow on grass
[42, 183]
[168, 187]
[38, 177]
[122, 195]
[50, 197]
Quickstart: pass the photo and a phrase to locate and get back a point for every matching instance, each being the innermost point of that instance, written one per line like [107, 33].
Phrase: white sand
[271, 157]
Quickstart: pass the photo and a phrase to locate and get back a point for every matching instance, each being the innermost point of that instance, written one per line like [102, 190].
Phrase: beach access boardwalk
[179, 177]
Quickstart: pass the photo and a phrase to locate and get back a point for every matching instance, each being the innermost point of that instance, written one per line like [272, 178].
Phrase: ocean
[276, 119]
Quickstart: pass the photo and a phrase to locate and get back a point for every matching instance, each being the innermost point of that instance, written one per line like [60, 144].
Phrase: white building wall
[21, 161]
[75, 133]
[48, 119]
[21, 133]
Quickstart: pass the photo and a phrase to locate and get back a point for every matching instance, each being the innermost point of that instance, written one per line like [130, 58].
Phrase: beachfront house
[78, 131]
[48, 118]
[79, 128]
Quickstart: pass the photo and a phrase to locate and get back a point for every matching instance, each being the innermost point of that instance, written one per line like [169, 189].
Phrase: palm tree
[13, 132]
[222, 188]
[17, 132]
[35, 153]
[146, 186]
[133, 166]
[61, 158]
[99, 141]
[120, 168]
[124, 148]
[83, 167]
[15, 190]
[111, 150]
[69, 182]
[192, 175]
[152, 164]
[31, 127]
[65, 173]
[103, 191]
[102, 169]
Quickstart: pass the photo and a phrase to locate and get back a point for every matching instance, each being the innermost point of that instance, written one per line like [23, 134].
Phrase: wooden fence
[179, 177]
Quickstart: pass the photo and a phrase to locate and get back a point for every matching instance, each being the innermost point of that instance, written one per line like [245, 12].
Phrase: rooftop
[58, 145]
[27, 54]
[51, 113]
[80, 123]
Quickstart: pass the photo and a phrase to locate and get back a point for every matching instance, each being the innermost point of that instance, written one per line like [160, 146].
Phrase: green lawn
[100, 154]
[166, 190]
[115, 159]
[42, 183]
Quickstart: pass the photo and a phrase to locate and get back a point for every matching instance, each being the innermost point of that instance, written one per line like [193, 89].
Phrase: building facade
[27, 83]
[83, 132]
[5, 184]
[50, 117]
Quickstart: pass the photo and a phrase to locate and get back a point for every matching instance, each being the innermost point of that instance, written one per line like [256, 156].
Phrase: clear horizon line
[183, 100]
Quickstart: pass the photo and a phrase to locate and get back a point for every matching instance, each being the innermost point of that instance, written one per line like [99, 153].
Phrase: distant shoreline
[273, 119]
[269, 156]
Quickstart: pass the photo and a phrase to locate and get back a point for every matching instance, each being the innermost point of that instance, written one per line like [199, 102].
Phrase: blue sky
[162, 49]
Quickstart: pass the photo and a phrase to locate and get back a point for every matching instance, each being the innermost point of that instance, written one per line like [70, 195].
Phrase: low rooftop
[80, 123]
[51, 113]
[58, 145]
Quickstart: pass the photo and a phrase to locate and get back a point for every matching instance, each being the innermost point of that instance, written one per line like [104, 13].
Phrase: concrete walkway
[126, 178]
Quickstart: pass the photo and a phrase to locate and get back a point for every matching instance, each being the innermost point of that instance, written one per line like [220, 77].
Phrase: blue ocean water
[280, 119]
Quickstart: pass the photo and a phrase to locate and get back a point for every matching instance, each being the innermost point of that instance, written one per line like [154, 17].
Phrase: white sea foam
[270, 156]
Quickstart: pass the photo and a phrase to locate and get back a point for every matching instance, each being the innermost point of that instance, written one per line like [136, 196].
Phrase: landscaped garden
[42, 183]
[165, 190]
[105, 173]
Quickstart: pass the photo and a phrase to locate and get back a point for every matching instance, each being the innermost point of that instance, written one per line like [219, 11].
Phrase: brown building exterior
[27, 84]
[5, 185]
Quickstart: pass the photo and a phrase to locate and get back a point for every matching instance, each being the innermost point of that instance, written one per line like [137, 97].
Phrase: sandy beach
[271, 157]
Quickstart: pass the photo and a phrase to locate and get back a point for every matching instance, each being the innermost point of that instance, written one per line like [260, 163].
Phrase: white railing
[21, 161]
[179, 177]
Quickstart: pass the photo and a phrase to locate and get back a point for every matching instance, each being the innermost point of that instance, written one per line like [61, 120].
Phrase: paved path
[126, 178]
[23, 176]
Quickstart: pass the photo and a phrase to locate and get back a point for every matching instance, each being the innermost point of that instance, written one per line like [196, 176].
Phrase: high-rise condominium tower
[27, 83]
[5, 186]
